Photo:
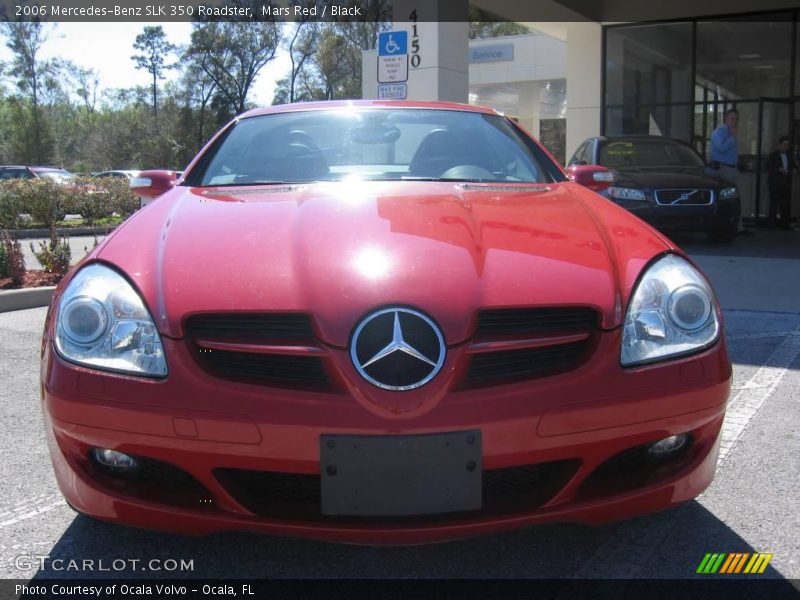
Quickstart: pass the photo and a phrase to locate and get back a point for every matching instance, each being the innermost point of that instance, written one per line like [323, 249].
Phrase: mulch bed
[33, 279]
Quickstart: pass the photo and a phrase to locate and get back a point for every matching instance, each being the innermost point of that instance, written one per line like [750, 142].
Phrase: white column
[440, 71]
[529, 107]
[584, 77]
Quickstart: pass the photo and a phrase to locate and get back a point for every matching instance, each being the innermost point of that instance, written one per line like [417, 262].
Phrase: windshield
[59, 176]
[648, 153]
[374, 144]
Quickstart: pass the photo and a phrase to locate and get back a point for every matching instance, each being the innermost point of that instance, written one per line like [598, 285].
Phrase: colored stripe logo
[734, 563]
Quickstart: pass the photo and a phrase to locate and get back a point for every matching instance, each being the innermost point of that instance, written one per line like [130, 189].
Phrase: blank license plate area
[400, 474]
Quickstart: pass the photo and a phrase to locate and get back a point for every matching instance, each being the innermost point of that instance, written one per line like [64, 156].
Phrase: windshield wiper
[450, 179]
[254, 183]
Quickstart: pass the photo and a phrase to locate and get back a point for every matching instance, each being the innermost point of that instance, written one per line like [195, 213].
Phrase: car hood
[340, 250]
[668, 177]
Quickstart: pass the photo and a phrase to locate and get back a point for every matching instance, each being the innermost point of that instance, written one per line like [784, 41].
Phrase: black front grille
[684, 197]
[269, 327]
[295, 496]
[635, 468]
[499, 367]
[268, 366]
[531, 322]
[272, 494]
[268, 369]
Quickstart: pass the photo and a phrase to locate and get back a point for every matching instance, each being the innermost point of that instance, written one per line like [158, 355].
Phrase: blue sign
[496, 53]
[392, 43]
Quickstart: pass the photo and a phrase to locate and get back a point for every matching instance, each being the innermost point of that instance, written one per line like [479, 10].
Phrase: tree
[88, 83]
[483, 24]
[332, 65]
[302, 46]
[25, 40]
[363, 33]
[233, 54]
[327, 63]
[200, 88]
[153, 43]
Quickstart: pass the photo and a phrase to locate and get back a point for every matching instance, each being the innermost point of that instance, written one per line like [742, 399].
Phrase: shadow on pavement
[666, 545]
[763, 243]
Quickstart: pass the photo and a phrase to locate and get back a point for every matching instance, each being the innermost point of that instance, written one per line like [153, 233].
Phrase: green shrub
[47, 202]
[119, 195]
[86, 197]
[3, 261]
[16, 260]
[9, 206]
[54, 255]
[42, 198]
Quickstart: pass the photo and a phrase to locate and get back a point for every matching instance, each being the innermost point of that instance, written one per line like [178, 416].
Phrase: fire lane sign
[393, 57]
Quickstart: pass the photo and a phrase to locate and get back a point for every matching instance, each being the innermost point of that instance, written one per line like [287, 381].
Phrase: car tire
[723, 236]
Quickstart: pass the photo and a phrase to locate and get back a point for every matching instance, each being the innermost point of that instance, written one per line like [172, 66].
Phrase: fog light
[667, 446]
[114, 460]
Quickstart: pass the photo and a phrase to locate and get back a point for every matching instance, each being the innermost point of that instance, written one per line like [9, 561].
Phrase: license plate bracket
[400, 475]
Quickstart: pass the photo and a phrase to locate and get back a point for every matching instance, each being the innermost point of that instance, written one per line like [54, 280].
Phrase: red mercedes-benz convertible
[381, 322]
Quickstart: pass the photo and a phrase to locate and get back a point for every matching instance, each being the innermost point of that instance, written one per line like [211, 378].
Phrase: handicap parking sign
[392, 57]
[392, 43]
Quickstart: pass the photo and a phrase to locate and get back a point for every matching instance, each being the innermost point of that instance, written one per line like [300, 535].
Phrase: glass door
[775, 119]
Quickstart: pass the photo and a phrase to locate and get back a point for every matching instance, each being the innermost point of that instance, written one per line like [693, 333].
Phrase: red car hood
[339, 250]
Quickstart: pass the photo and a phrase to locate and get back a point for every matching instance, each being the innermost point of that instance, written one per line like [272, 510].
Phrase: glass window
[749, 58]
[580, 155]
[15, 174]
[671, 121]
[647, 152]
[387, 144]
[797, 65]
[648, 64]
[57, 176]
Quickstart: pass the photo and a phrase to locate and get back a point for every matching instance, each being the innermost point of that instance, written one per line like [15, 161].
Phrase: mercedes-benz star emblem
[397, 349]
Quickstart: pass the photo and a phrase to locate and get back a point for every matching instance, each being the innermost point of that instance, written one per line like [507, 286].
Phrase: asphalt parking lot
[750, 507]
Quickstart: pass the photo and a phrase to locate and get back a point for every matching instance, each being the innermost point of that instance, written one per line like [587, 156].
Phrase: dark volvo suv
[661, 180]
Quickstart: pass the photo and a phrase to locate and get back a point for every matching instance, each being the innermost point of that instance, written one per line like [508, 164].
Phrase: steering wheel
[468, 172]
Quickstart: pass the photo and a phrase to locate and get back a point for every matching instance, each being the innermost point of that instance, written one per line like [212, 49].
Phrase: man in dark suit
[780, 166]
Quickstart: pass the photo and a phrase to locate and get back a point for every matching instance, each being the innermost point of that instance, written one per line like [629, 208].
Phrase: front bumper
[579, 420]
[718, 216]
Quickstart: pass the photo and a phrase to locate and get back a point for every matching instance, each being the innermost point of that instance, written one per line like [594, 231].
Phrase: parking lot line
[749, 399]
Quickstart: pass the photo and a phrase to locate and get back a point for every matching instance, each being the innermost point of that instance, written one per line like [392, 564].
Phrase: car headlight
[729, 193]
[672, 312]
[621, 193]
[103, 323]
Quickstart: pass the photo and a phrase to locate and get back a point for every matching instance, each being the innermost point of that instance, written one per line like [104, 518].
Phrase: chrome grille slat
[694, 197]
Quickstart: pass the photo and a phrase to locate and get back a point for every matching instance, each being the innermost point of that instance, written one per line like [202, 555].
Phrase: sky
[107, 48]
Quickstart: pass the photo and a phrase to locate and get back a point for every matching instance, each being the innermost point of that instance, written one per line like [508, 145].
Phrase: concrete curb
[27, 298]
[31, 234]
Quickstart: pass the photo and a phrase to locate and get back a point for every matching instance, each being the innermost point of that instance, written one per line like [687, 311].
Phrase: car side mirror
[149, 185]
[594, 177]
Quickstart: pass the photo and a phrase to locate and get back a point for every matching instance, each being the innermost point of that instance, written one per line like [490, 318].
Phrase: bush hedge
[44, 202]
